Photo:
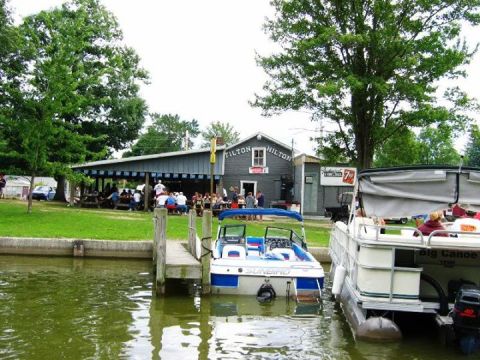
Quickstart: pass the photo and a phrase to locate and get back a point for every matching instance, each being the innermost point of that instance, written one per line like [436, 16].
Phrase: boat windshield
[281, 233]
[232, 233]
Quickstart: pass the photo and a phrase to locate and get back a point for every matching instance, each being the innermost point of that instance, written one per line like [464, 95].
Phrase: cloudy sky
[201, 60]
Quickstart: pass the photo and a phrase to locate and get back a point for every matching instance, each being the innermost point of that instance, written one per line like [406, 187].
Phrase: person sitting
[135, 201]
[182, 203]
[198, 204]
[170, 204]
[241, 202]
[161, 200]
[206, 201]
[432, 224]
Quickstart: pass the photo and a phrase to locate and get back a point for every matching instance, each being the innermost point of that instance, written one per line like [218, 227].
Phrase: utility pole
[185, 145]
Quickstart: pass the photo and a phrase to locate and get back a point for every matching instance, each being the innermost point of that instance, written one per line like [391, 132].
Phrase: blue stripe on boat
[222, 280]
[309, 283]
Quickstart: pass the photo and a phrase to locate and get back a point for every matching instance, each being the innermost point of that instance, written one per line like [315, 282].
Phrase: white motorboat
[277, 264]
[380, 272]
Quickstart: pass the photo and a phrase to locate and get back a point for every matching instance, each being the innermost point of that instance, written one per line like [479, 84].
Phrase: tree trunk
[60, 193]
[32, 182]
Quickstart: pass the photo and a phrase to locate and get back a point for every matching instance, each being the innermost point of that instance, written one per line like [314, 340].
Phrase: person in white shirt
[182, 203]
[135, 201]
[159, 188]
[161, 199]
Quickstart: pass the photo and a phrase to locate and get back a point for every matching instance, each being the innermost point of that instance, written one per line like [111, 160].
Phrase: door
[310, 197]
[248, 186]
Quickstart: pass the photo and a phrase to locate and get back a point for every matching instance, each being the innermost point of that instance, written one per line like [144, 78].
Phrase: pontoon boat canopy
[418, 190]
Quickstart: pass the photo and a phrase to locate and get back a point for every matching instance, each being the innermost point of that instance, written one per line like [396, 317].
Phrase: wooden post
[192, 233]
[206, 250]
[146, 191]
[161, 249]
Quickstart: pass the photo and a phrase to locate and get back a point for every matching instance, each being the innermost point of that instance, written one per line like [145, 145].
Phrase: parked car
[397, 220]
[43, 193]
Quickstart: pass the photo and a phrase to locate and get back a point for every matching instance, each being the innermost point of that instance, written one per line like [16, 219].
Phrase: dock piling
[160, 243]
[206, 250]
[192, 233]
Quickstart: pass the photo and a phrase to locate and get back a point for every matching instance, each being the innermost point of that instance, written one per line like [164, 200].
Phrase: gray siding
[238, 160]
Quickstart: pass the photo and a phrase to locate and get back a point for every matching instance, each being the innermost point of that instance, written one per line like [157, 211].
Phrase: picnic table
[89, 200]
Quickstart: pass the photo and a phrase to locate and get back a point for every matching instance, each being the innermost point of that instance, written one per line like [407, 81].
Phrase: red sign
[348, 176]
[258, 170]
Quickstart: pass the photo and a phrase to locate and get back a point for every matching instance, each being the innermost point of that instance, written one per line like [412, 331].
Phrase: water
[63, 308]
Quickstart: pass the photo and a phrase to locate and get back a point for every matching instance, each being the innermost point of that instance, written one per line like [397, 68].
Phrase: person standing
[3, 184]
[260, 203]
[250, 203]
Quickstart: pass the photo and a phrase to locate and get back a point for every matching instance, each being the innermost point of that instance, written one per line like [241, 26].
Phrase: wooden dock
[177, 260]
[180, 263]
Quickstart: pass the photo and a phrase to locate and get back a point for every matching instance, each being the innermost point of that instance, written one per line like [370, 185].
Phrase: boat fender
[266, 293]
[338, 279]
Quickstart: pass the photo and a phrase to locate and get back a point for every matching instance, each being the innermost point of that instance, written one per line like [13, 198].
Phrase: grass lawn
[56, 220]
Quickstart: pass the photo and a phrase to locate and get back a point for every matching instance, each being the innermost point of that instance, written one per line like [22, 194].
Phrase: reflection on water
[103, 309]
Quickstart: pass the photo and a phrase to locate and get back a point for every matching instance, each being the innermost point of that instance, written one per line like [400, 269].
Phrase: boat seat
[255, 245]
[288, 254]
[234, 252]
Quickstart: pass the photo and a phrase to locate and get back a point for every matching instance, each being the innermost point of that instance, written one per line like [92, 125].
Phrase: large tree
[371, 66]
[220, 129]
[80, 80]
[167, 133]
[84, 80]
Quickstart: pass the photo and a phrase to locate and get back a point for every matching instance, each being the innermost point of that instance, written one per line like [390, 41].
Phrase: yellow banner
[213, 149]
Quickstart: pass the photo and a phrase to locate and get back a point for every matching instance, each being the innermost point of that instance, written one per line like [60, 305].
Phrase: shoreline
[98, 248]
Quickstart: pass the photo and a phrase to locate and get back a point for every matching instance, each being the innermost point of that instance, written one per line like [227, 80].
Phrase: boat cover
[245, 212]
[414, 191]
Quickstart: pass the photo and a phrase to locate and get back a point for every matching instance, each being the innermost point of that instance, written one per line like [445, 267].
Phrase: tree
[85, 81]
[472, 150]
[432, 146]
[436, 146]
[167, 133]
[220, 129]
[369, 66]
[389, 154]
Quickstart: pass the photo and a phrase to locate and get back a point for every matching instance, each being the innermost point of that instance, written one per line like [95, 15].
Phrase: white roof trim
[263, 136]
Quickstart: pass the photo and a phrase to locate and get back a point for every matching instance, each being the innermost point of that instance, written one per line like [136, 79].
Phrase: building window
[258, 157]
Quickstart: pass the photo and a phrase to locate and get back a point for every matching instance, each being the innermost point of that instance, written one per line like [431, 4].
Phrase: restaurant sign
[258, 170]
[338, 176]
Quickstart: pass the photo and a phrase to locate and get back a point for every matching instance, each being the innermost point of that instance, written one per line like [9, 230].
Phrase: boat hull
[247, 277]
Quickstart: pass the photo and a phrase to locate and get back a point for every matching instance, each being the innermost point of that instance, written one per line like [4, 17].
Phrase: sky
[200, 55]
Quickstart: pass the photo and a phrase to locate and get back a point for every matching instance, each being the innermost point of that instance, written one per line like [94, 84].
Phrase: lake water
[65, 308]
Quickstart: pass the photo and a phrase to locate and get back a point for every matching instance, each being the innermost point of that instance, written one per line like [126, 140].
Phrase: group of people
[173, 202]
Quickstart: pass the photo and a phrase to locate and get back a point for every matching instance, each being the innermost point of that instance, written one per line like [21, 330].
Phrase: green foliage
[220, 129]
[472, 151]
[436, 146]
[166, 134]
[371, 67]
[432, 146]
[403, 149]
[77, 94]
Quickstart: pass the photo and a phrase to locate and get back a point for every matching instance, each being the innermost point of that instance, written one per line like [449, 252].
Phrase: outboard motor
[266, 293]
[466, 318]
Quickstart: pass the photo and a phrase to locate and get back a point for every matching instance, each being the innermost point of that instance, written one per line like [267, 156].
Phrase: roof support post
[146, 191]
